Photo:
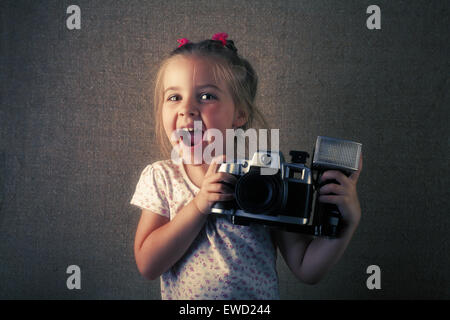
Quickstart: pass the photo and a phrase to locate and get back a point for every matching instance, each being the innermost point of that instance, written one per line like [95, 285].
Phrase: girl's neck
[196, 173]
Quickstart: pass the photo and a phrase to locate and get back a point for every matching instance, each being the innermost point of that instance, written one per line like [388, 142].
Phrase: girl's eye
[207, 96]
[173, 98]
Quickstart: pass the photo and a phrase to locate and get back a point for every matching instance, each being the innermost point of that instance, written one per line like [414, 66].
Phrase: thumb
[214, 165]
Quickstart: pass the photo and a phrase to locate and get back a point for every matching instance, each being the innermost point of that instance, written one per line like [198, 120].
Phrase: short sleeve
[150, 192]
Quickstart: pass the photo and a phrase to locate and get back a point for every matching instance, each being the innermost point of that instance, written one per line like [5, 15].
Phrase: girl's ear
[240, 119]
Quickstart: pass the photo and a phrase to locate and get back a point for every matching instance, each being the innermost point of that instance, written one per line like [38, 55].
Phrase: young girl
[202, 256]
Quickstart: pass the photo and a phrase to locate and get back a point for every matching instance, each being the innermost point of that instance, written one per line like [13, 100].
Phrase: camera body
[273, 192]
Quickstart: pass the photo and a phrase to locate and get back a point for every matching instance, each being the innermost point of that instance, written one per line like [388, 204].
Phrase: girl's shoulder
[162, 170]
[163, 166]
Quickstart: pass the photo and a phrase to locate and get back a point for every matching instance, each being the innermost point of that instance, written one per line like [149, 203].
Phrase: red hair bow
[182, 42]
[221, 37]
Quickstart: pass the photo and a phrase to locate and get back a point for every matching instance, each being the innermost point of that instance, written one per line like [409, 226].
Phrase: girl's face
[191, 93]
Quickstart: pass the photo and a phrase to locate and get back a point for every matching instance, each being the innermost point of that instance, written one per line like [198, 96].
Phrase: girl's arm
[160, 242]
[310, 258]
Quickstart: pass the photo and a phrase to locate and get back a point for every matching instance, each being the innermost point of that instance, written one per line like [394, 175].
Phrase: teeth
[189, 129]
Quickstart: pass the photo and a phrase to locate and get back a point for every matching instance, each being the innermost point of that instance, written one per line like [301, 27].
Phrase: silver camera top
[269, 160]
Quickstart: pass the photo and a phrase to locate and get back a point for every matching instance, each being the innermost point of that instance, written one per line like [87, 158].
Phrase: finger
[355, 175]
[333, 199]
[219, 188]
[332, 188]
[221, 158]
[213, 166]
[223, 177]
[214, 197]
[334, 174]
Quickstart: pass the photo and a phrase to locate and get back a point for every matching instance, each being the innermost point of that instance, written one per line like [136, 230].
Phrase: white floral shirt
[225, 261]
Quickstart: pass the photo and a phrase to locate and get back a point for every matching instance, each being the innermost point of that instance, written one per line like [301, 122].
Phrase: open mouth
[190, 136]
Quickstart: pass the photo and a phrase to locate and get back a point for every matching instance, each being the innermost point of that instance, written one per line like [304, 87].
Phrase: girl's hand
[346, 197]
[213, 190]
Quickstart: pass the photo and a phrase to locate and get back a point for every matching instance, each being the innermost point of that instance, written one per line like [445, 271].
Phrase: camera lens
[256, 193]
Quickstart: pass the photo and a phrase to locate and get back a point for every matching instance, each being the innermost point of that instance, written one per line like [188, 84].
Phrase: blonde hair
[236, 71]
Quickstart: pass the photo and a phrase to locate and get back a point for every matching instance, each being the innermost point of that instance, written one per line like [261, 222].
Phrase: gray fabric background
[77, 129]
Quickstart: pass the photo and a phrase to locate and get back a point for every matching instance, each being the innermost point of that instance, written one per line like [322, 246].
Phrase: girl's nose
[189, 109]
[188, 112]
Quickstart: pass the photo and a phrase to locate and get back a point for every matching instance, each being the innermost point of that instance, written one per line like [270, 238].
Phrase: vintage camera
[273, 192]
